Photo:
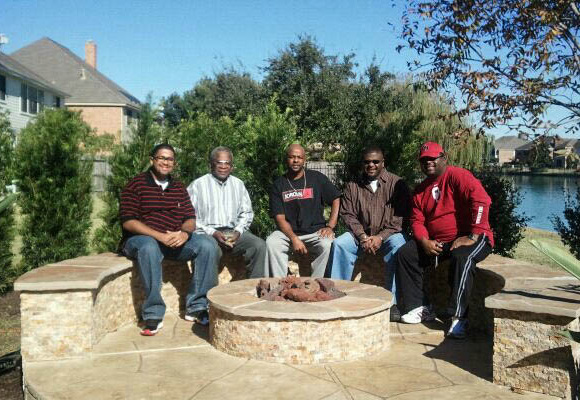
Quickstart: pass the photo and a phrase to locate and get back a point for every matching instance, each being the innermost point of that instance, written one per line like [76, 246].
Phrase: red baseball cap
[430, 149]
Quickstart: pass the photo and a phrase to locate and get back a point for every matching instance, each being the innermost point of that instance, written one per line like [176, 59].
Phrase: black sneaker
[395, 313]
[151, 327]
[199, 317]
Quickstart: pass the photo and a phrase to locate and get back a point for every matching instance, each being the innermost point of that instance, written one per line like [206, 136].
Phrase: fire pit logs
[292, 288]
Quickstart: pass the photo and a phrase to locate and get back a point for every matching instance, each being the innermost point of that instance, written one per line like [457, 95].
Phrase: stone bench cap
[78, 273]
[519, 274]
[239, 298]
[561, 300]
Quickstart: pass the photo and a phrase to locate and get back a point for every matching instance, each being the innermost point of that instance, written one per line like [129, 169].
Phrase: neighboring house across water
[105, 106]
[24, 94]
[505, 148]
[566, 153]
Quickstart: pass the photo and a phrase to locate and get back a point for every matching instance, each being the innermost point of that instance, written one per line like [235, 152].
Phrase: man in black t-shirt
[297, 201]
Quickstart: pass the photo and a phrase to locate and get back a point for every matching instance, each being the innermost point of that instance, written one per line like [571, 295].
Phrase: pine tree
[55, 185]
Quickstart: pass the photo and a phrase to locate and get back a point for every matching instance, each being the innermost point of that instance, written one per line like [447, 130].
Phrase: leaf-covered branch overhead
[510, 60]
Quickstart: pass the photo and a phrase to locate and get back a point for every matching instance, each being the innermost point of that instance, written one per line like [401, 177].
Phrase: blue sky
[167, 46]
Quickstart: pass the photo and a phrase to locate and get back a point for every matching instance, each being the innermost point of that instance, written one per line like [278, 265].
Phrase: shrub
[507, 225]
[263, 144]
[569, 231]
[7, 273]
[55, 185]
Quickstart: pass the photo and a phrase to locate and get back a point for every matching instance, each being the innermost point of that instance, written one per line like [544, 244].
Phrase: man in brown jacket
[373, 209]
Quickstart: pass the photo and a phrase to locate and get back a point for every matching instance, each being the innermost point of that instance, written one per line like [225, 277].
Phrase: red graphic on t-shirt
[298, 194]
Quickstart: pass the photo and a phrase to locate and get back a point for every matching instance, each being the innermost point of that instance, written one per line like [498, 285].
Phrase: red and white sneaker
[151, 327]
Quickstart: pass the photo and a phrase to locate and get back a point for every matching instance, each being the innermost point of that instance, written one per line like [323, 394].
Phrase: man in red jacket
[449, 219]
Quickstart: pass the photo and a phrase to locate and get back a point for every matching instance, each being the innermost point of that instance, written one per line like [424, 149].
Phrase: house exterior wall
[105, 119]
[505, 156]
[19, 119]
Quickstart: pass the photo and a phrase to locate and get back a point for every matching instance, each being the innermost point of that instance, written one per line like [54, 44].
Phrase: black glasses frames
[170, 160]
[376, 162]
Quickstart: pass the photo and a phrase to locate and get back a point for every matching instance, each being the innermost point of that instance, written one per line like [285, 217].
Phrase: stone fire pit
[342, 329]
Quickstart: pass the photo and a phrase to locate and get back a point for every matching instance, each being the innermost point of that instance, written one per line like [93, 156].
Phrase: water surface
[543, 197]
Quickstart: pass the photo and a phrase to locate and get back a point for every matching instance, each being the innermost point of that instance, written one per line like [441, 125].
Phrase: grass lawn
[525, 251]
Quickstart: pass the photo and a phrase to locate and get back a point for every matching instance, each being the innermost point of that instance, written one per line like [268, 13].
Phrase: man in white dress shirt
[224, 212]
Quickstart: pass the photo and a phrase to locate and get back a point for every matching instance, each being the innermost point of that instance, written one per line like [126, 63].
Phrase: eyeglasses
[170, 160]
[224, 162]
[376, 162]
[426, 160]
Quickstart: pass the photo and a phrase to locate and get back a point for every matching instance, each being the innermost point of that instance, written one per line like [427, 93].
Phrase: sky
[163, 47]
[167, 46]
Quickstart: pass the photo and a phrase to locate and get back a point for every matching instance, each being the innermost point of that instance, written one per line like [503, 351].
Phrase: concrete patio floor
[179, 363]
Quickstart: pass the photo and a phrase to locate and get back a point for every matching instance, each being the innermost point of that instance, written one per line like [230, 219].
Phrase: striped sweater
[162, 210]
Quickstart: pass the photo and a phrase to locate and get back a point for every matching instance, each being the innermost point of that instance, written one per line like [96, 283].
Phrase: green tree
[314, 86]
[506, 223]
[7, 221]
[126, 161]
[540, 155]
[398, 115]
[228, 93]
[55, 186]
[569, 227]
[511, 60]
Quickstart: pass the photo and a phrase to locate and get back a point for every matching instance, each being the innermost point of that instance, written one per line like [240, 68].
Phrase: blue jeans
[149, 254]
[345, 251]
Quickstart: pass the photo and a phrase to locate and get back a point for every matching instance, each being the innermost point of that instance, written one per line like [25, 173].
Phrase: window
[129, 114]
[56, 102]
[40, 100]
[2, 87]
[32, 100]
[23, 98]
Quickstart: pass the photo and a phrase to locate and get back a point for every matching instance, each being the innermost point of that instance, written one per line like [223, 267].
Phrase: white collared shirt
[220, 204]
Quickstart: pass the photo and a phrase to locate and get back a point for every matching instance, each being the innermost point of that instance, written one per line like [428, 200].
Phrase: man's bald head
[295, 147]
[295, 159]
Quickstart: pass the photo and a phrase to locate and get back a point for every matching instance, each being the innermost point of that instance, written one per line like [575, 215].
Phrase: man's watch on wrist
[473, 236]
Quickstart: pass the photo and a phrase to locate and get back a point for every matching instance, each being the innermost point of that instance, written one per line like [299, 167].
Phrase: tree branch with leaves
[510, 60]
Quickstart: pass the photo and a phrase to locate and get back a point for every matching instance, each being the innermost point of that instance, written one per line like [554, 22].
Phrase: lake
[543, 197]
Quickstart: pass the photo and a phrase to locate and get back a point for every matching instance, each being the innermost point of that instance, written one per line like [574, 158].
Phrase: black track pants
[412, 263]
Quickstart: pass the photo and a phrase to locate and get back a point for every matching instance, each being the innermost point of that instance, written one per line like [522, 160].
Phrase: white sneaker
[418, 315]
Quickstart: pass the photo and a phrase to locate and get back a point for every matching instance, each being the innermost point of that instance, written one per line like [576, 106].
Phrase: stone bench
[527, 351]
[68, 307]
[521, 306]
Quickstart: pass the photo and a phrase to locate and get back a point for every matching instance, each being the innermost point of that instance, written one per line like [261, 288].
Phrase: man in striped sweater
[224, 213]
[449, 220]
[158, 222]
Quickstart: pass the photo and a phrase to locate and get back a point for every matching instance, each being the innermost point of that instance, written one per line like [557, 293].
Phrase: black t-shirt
[303, 204]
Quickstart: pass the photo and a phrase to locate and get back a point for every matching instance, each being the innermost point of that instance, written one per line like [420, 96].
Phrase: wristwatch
[473, 236]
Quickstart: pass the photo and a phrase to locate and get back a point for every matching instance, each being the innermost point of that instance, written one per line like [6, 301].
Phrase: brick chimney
[91, 53]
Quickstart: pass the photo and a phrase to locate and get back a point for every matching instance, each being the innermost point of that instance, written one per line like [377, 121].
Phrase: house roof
[563, 143]
[509, 143]
[10, 66]
[66, 70]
